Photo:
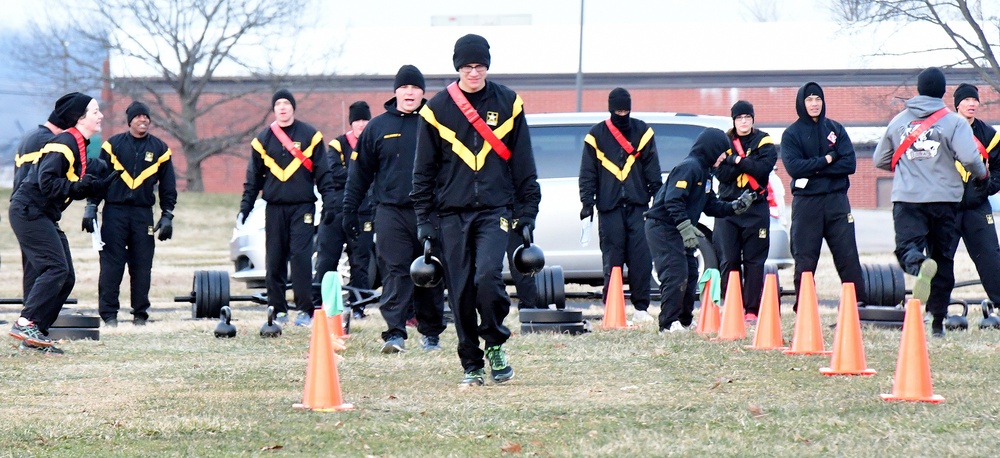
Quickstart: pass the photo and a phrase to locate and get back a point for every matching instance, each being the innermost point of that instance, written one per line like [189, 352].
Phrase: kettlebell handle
[526, 235]
[225, 314]
[987, 307]
[427, 251]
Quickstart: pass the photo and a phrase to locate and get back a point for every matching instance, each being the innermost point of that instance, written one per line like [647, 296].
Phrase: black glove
[165, 226]
[689, 233]
[425, 231]
[83, 187]
[980, 185]
[528, 223]
[241, 217]
[587, 211]
[89, 217]
[731, 159]
[351, 225]
[743, 202]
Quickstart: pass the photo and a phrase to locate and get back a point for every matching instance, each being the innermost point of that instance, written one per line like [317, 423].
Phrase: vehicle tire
[560, 328]
[550, 316]
[706, 253]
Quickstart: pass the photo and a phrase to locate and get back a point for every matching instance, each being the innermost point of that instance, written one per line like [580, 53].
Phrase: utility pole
[579, 69]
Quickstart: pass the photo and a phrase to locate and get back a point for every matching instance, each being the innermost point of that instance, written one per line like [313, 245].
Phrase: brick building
[856, 98]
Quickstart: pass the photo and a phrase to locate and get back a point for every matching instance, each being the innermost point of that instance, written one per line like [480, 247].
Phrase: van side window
[673, 142]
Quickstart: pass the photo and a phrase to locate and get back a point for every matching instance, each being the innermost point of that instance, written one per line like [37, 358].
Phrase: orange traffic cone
[913, 368]
[808, 336]
[322, 391]
[733, 326]
[708, 318]
[614, 307]
[768, 335]
[848, 349]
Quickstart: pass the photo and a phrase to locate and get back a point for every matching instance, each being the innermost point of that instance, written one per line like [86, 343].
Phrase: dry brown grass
[171, 389]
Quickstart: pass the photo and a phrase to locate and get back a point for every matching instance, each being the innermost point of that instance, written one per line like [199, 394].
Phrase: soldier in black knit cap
[127, 228]
[385, 163]
[743, 240]
[288, 159]
[819, 156]
[28, 152]
[620, 173]
[475, 170]
[330, 238]
[975, 215]
[61, 174]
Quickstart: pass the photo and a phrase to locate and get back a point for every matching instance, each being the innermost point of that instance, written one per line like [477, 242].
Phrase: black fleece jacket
[688, 191]
[804, 145]
[974, 194]
[147, 169]
[384, 160]
[758, 163]
[281, 176]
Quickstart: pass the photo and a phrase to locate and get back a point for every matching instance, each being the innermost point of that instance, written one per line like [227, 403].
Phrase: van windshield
[558, 148]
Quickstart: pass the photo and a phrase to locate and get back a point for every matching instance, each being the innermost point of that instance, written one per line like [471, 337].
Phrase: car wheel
[705, 254]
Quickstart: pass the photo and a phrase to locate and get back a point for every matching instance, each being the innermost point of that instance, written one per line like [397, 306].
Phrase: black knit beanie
[69, 109]
[359, 110]
[134, 109]
[619, 99]
[741, 107]
[471, 49]
[283, 94]
[813, 89]
[965, 91]
[408, 74]
[931, 83]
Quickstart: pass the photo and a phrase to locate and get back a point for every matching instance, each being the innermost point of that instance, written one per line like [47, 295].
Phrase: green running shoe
[499, 367]
[474, 377]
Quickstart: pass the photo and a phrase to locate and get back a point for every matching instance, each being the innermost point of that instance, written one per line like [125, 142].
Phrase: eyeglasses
[469, 68]
[744, 118]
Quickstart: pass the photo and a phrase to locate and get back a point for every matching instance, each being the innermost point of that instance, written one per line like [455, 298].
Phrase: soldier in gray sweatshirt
[921, 146]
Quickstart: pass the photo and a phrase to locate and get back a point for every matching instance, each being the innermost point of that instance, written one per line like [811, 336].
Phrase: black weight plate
[869, 287]
[201, 293]
[74, 333]
[224, 290]
[540, 288]
[883, 324]
[558, 288]
[215, 304]
[887, 286]
[898, 284]
[76, 321]
[550, 316]
[209, 294]
[876, 275]
[550, 288]
[561, 328]
[196, 293]
[880, 313]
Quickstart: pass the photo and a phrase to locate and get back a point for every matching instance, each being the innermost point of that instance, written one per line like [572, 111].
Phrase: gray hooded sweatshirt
[927, 172]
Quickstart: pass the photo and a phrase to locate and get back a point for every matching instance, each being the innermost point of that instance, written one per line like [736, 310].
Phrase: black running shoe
[50, 350]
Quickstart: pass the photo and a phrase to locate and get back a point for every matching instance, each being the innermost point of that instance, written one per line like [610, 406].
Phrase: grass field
[172, 389]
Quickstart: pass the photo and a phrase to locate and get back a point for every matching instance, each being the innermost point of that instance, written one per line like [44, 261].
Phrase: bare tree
[969, 32]
[168, 52]
[56, 60]
[761, 10]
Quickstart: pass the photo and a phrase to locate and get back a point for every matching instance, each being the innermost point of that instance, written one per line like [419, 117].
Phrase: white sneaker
[676, 326]
[641, 316]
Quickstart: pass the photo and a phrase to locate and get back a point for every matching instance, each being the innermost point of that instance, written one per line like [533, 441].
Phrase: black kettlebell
[270, 329]
[990, 319]
[528, 258]
[225, 327]
[958, 322]
[426, 271]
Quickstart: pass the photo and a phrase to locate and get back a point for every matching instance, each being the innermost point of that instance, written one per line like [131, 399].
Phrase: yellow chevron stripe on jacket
[335, 144]
[65, 151]
[31, 157]
[620, 173]
[744, 179]
[965, 173]
[134, 183]
[475, 161]
[993, 142]
[283, 174]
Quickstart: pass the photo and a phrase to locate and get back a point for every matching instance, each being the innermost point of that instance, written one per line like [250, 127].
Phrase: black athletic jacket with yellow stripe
[46, 184]
[456, 170]
[761, 155]
[688, 191]
[342, 155]
[28, 151]
[147, 169]
[384, 161]
[615, 177]
[281, 175]
[975, 194]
